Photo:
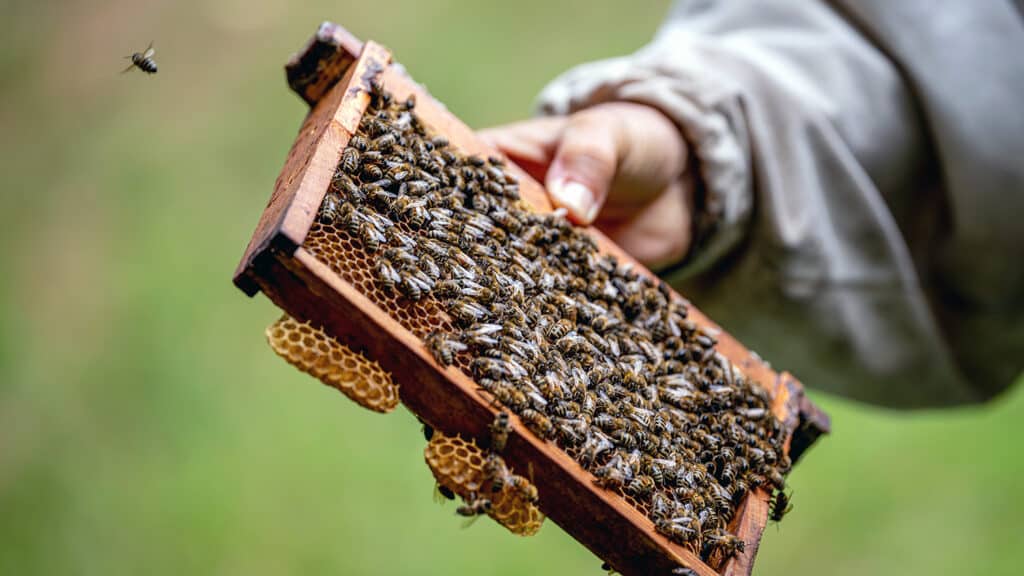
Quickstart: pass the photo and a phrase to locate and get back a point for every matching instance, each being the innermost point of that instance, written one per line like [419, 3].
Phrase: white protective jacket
[862, 164]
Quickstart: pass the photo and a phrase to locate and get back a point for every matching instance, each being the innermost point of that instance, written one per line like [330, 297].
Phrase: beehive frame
[332, 73]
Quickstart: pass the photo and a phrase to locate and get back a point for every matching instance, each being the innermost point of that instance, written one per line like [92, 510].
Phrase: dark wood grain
[307, 171]
[447, 398]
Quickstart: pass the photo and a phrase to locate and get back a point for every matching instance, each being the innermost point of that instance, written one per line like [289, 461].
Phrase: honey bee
[681, 529]
[496, 474]
[641, 486]
[467, 312]
[727, 545]
[500, 429]
[443, 348]
[143, 61]
[387, 275]
[372, 172]
[505, 394]
[350, 160]
[474, 507]
[443, 493]
[359, 143]
[524, 487]
[780, 506]
[331, 208]
[538, 423]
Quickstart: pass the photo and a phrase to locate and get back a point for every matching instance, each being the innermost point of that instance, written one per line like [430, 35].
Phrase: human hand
[620, 166]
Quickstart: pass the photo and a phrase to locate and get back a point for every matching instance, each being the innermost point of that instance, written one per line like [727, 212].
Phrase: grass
[145, 427]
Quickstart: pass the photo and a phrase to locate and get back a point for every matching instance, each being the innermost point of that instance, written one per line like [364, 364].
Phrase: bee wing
[149, 51]
[130, 66]
[470, 521]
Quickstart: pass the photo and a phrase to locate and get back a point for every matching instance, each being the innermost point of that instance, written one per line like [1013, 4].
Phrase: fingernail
[577, 198]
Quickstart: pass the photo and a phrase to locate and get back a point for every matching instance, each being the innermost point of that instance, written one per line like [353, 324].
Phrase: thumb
[583, 168]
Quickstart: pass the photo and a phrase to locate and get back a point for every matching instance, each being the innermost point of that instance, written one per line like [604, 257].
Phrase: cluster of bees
[588, 353]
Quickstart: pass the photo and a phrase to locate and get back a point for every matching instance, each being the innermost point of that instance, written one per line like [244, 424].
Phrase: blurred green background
[145, 426]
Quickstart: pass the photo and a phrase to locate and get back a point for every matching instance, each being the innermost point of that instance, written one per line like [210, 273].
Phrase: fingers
[620, 155]
[584, 166]
[531, 144]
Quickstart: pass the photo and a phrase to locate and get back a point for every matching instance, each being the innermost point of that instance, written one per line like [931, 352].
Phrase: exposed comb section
[461, 466]
[314, 352]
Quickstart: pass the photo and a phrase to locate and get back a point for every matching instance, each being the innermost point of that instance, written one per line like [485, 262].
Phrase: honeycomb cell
[459, 466]
[318, 354]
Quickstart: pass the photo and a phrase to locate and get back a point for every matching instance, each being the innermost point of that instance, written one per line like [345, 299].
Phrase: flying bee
[143, 61]
[500, 429]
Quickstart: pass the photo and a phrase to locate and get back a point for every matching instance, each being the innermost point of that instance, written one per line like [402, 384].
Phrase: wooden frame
[332, 73]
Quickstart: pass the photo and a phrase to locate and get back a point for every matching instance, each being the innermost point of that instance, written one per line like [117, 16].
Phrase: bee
[467, 312]
[348, 188]
[680, 529]
[538, 423]
[727, 545]
[331, 208]
[641, 486]
[387, 275]
[442, 348]
[414, 211]
[143, 61]
[505, 394]
[350, 160]
[371, 236]
[780, 506]
[559, 329]
[500, 429]
[359, 143]
[495, 472]
[474, 507]
[372, 172]
[524, 487]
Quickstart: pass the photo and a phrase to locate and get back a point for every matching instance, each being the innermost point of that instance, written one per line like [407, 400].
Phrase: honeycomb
[459, 465]
[313, 351]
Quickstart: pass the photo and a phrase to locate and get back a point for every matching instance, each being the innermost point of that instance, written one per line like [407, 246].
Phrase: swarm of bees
[590, 354]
